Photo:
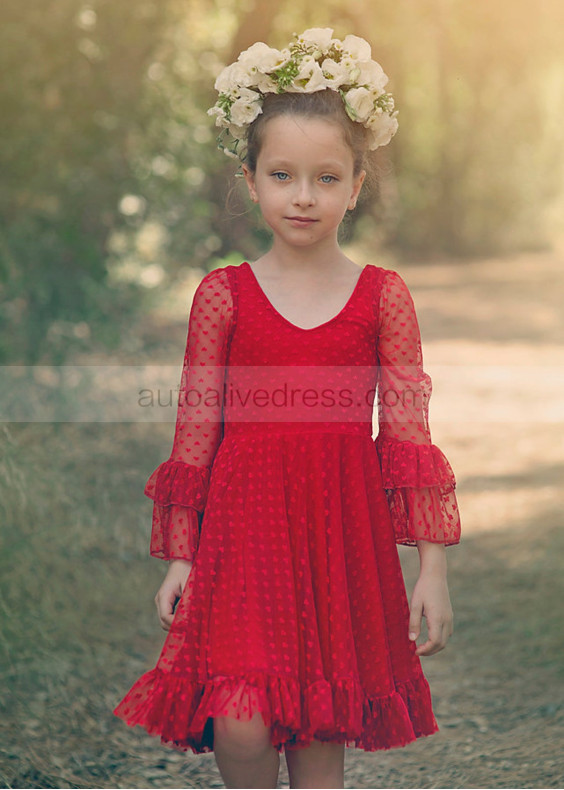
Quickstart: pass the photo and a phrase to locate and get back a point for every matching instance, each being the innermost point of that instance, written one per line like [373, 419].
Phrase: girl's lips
[301, 221]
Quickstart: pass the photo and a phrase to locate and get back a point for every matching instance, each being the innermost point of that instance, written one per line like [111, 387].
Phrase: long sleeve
[418, 479]
[179, 486]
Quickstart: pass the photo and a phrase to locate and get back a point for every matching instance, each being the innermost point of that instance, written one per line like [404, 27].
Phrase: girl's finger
[436, 640]
[441, 642]
[415, 616]
[429, 648]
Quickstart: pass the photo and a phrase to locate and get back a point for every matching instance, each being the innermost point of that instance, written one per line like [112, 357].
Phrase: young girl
[289, 629]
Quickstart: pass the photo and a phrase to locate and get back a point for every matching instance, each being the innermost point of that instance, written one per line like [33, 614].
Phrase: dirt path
[498, 411]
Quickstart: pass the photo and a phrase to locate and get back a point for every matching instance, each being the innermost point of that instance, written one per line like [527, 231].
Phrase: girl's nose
[303, 195]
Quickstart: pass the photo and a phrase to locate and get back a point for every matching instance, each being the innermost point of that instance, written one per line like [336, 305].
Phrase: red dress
[295, 605]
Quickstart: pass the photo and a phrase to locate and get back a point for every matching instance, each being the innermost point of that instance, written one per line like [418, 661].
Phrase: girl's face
[304, 180]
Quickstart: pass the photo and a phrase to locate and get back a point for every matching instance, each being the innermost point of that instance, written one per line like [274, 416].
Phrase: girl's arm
[430, 599]
[417, 477]
[415, 473]
[179, 486]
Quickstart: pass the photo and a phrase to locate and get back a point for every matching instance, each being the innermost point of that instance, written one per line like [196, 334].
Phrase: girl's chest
[267, 335]
[308, 307]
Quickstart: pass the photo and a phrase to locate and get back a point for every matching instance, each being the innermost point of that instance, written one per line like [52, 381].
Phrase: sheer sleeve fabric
[418, 479]
[179, 486]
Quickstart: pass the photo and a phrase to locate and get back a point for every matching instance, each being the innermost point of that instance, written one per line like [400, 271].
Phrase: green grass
[76, 587]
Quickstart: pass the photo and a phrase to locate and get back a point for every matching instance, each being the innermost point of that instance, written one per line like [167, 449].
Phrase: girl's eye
[281, 176]
[328, 179]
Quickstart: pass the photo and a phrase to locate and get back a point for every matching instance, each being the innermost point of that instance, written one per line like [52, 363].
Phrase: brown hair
[320, 104]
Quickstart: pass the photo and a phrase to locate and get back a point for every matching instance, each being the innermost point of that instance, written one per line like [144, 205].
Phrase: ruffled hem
[406, 464]
[180, 710]
[177, 483]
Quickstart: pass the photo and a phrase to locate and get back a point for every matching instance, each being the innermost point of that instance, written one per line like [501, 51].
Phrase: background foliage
[111, 183]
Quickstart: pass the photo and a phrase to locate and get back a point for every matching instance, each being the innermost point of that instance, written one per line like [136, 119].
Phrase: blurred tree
[477, 157]
[255, 25]
[111, 177]
[112, 183]
[72, 103]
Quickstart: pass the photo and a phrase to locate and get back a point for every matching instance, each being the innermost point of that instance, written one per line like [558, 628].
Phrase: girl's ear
[250, 179]
[357, 186]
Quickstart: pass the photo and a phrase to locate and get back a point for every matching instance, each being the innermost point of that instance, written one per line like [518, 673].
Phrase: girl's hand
[171, 590]
[430, 599]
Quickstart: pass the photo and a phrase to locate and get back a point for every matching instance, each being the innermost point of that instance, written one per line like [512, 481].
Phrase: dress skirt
[295, 606]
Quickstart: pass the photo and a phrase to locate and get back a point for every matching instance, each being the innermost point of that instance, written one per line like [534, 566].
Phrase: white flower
[220, 116]
[372, 75]
[245, 109]
[382, 128]
[231, 154]
[319, 36]
[309, 78]
[336, 74]
[361, 102]
[245, 93]
[232, 77]
[357, 47]
[262, 58]
[265, 83]
[352, 68]
[238, 132]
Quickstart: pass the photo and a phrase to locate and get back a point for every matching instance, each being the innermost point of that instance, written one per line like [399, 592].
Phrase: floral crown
[313, 62]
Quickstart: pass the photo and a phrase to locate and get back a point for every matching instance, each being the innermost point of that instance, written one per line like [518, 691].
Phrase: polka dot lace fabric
[295, 606]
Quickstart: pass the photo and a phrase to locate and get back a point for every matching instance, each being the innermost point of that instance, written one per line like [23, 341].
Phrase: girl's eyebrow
[328, 164]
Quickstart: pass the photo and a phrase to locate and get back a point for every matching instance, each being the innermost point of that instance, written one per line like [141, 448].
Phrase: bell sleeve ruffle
[418, 479]
[179, 493]
[179, 486]
[420, 485]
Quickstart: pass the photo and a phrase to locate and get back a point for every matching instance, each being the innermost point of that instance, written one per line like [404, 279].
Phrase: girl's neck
[282, 259]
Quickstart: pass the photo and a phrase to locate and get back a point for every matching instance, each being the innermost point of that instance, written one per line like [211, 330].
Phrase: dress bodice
[286, 378]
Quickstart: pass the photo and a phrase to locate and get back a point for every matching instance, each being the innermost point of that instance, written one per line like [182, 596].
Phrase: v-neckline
[287, 321]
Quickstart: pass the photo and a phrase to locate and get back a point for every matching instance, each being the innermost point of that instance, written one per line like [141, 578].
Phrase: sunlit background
[114, 202]
[111, 181]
